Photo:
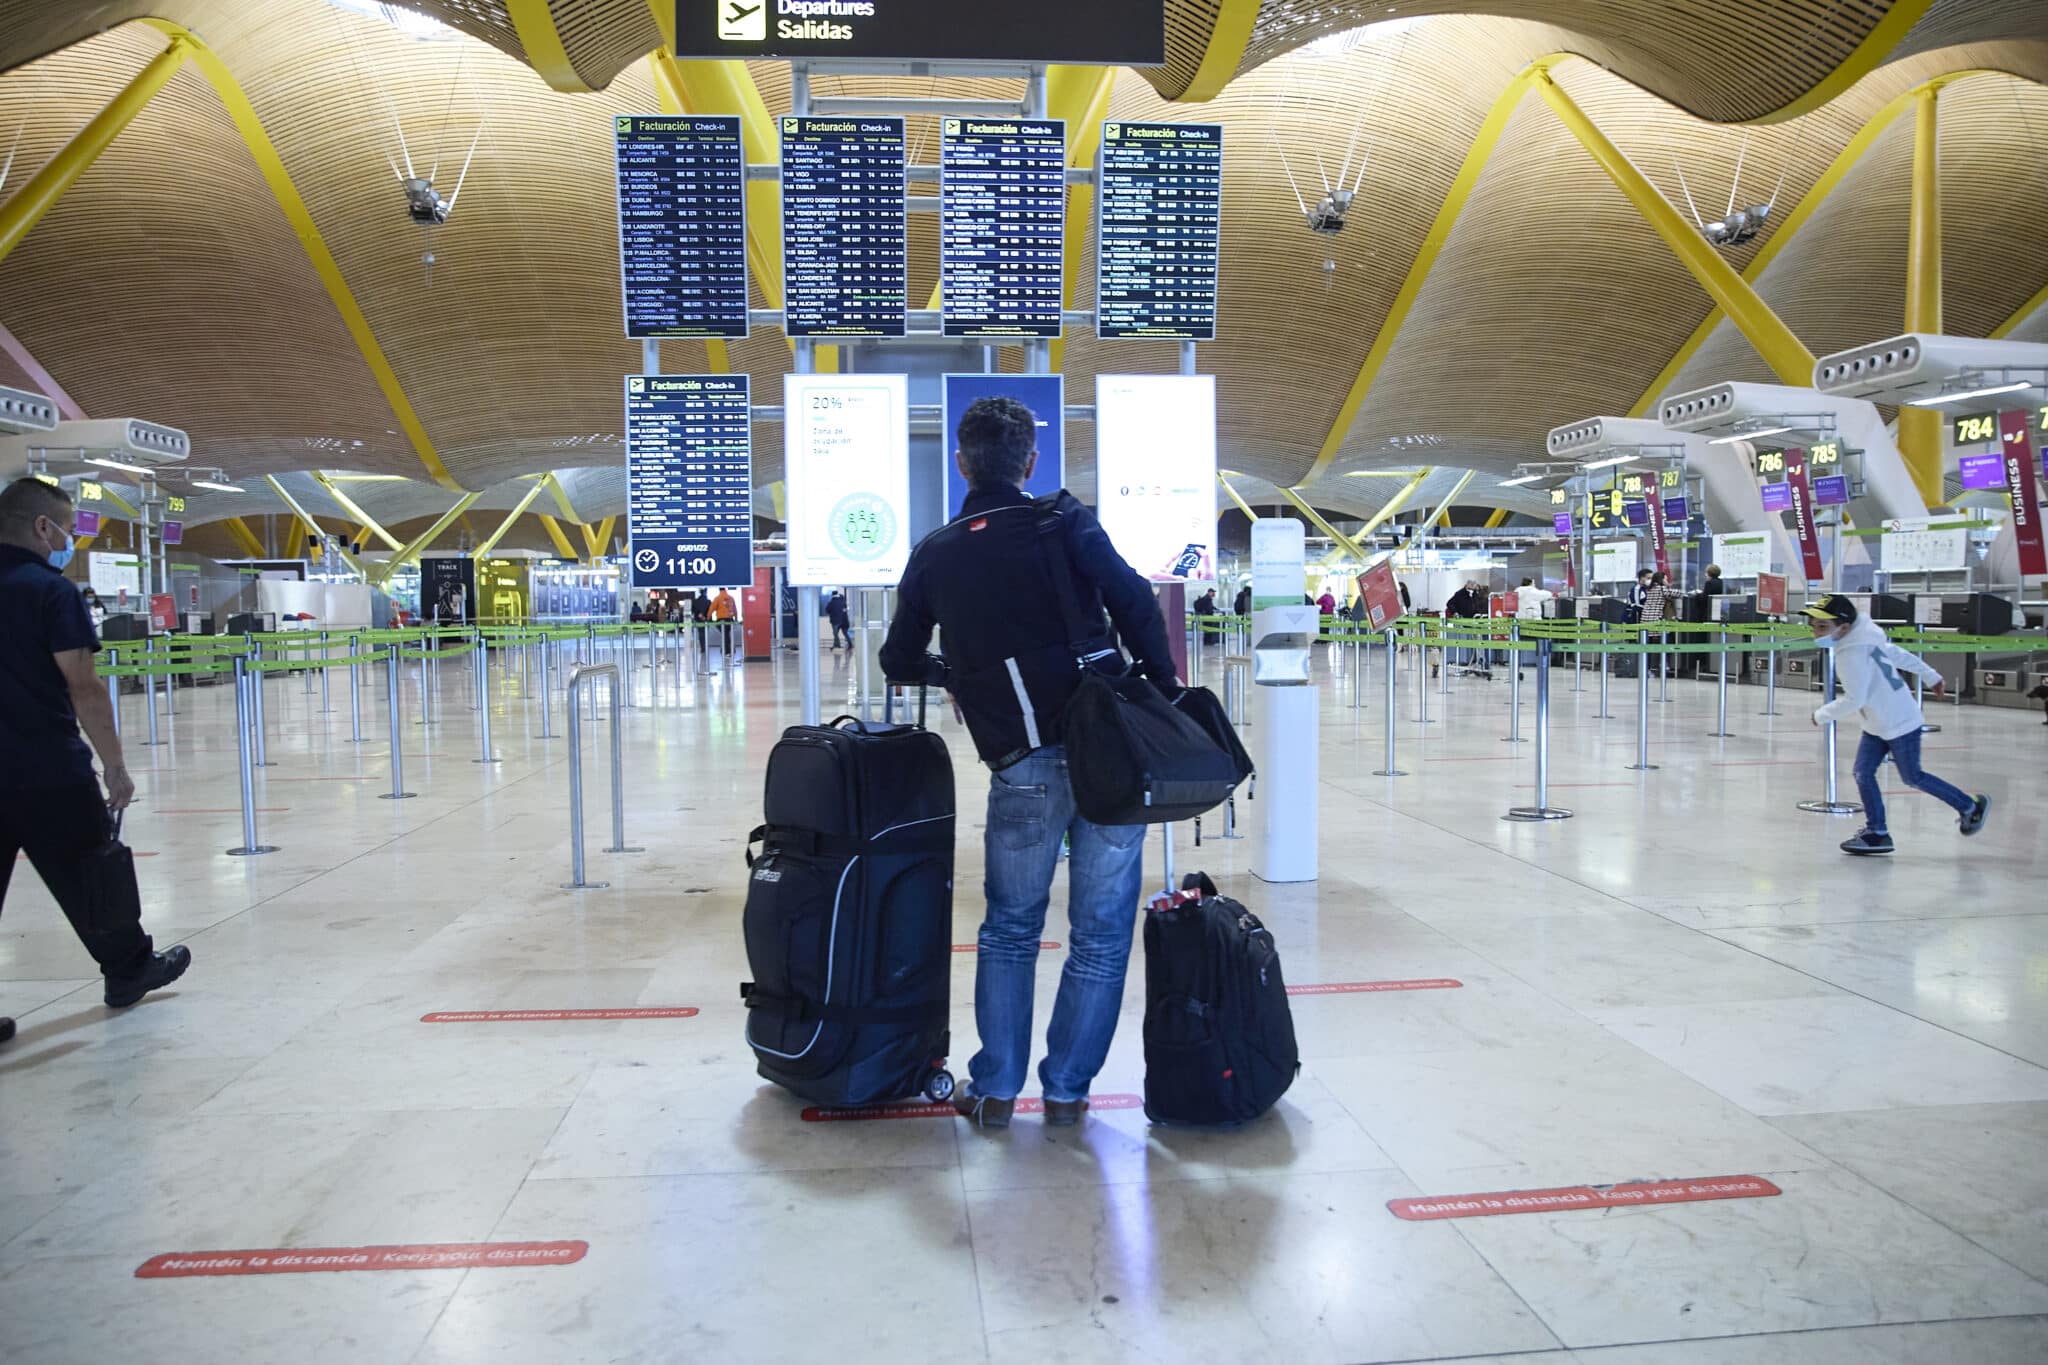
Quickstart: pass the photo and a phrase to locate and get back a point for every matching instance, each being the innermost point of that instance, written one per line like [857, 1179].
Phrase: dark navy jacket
[1009, 656]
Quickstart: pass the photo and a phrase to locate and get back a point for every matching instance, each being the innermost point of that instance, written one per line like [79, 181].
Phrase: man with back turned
[1012, 673]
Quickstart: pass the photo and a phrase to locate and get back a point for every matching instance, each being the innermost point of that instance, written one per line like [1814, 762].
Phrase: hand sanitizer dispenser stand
[1285, 706]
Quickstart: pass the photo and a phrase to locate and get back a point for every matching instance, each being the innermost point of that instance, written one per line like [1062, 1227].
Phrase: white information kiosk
[1284, 710]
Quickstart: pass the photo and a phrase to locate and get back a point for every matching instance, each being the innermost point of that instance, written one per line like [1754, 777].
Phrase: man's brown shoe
[1064, 1113]
[982, 1111]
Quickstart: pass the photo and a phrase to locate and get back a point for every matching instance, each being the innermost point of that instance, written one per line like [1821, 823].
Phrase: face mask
[1826, 641]
[60, 558]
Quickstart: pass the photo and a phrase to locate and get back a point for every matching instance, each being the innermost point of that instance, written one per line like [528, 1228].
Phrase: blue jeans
[1030, 806]
[1905, 752]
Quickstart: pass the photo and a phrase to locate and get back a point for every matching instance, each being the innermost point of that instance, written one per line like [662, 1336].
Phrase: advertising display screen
[690, 480]
[1982, 471]
[1562, 522]
[845, 231]
[1831, 490]
[1777, 497]
[174, 533]
[1159, 230]
[682, 225]
[1081, 32]
[1044, 394]
[847, 465]
[1002, 230]
[88, 524]
[1676, 510]
[1637, 513]
[1155, 480]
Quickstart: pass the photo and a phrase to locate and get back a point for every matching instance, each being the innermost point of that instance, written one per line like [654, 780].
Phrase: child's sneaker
[1973, 818]
[1868, 842]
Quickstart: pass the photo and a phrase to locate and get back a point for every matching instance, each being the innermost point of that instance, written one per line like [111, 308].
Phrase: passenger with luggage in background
[1243, 605]
[723, 611]
[835, 611]
[1011, 673]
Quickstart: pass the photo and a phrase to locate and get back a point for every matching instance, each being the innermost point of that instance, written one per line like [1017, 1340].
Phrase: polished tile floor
[1684, 981]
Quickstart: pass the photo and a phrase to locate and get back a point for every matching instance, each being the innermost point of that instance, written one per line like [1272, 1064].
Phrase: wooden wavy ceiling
[166, 285]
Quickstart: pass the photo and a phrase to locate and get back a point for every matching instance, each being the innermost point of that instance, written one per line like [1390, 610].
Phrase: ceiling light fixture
[1517, 483]
[105, 463]
[1938, 399]
[216, 487]
[1742, 436]
[1609, 464]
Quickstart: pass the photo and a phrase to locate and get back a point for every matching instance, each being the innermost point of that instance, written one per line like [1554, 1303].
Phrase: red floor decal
[816, 1114]
[1370, 987]
[178, 1265]
[224, 810]
[555, 1016]
[1044, 946]
[1634, 1195]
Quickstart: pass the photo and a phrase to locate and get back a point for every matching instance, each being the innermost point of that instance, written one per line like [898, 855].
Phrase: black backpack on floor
[849, 916]
[1219, 1037]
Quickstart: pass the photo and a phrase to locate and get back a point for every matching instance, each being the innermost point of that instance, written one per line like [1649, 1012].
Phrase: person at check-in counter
[1867, 669]
[52, 807]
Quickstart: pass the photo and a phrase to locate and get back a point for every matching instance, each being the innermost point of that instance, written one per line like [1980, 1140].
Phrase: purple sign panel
[1777, 497]
[88, 523]
[1982, 471]
[1831, 490]
[1638, 513]
[1675, 509]
[1563, 522]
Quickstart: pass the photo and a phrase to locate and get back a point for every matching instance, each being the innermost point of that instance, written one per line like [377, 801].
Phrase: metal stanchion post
[256, 703]
[1358, 673]
[482, 673]
[546, 712]
[1514, 685]
[1664, 670]
[1605, 673]
[250, 848]
[397, 792]
[1720, 730]
[577, 883]
[1393, 675]
[326, 696]
[1542, 810]
[1828, 804]
[355, 691]
[619, 781]
[1422, 695]
[1771, 681]
[114, 688]
[1642, 763]
[149, 687]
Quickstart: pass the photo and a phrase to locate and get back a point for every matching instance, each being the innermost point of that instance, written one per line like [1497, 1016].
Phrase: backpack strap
[1052, 525]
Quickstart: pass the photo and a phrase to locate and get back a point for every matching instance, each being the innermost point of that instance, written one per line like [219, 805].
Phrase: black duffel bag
[1135, 758]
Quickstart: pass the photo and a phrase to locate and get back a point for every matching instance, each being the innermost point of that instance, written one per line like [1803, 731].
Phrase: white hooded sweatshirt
[1869, 669]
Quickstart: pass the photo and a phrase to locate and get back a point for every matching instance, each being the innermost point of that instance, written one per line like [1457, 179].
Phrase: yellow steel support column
[1080, 95]
[296, 213]
[490, 542]
[543, 43]
[1920, 429]
[1227, 41]
[312, 527]
[598, 537]
[1781, 350]
[246, 538]
[1396, 503]
[1344, 542]
[348, 505]
[1442, 515]
[28, 204]
[556, 534]
[1499, 518]
[428, 537]
[1242, 505]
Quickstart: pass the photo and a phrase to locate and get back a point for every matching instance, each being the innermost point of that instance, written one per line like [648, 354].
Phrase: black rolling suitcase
[849, 915]
[1219, 1037]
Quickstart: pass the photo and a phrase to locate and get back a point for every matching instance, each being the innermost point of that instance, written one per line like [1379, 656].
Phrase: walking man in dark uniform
[51, 806]
[1012, 672]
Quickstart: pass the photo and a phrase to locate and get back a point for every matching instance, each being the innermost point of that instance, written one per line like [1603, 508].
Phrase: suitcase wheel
[938, 1087]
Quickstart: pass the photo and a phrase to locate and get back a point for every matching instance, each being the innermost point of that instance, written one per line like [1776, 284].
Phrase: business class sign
[1099, 32]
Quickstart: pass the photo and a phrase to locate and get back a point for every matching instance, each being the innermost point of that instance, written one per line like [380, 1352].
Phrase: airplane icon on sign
[739, 22]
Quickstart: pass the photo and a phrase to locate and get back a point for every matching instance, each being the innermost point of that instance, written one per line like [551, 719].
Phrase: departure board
[1002, 235]
[845, 235]
[690, 480]
[682, 226]
[1159, 230]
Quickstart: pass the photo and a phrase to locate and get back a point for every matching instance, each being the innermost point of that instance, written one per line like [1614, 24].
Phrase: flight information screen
[682, 226]
[690, 480]
[1002, 236]
[1159, 230]
[845, 236]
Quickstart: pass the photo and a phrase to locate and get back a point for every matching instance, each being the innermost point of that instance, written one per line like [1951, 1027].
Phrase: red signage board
[163, 612]
[1382, 594]
[817, 1114]
[1657, 541]
[1635, 1194]
[2019, 486]
[178, 1265]
[1802, 515]
[1770, 594]
[1435, 983]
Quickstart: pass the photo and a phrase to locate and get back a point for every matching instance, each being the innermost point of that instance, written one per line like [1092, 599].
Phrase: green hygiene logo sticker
[862, 527]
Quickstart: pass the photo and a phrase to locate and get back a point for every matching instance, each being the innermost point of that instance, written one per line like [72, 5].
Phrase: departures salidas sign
[1104, 32]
